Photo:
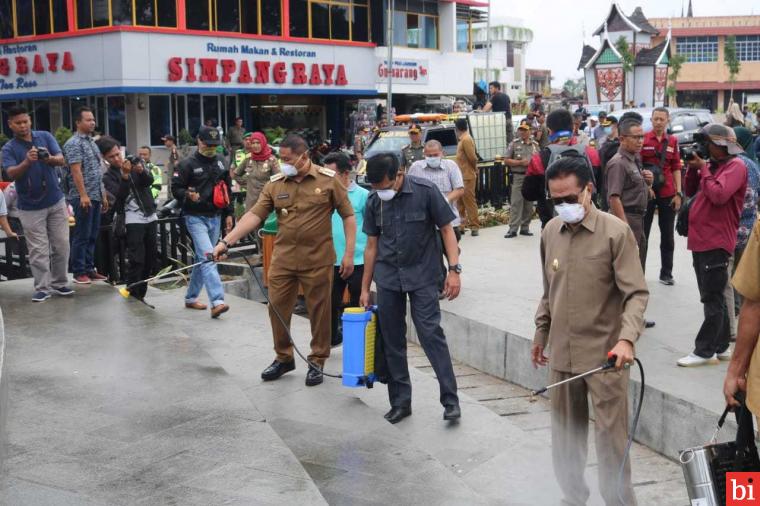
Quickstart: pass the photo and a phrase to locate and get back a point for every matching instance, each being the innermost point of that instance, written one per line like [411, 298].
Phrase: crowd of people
[596, 194]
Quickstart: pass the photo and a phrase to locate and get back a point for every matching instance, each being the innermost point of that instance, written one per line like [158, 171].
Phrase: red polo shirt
[651, 152]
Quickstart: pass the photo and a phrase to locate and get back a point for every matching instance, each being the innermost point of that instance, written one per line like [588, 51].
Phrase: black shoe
[526, 232]
[452, 412]
[314, 377]
[667, 280]
[510, 235]
[474, 232]
[277, 369]
[648, 324]
[395, 415]
[336, 341]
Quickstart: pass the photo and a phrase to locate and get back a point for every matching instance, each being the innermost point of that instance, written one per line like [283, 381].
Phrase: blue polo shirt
[358, 198]
[38, 187]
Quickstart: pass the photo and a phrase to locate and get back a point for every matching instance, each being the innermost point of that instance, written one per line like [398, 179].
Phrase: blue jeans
[84, 238]
[204, 231]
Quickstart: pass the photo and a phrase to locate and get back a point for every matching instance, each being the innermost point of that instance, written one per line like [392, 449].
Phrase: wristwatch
[680, 194]
[226, 244]
[456, 268]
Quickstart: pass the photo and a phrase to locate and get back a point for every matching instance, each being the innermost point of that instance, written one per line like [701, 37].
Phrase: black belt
[634, 210]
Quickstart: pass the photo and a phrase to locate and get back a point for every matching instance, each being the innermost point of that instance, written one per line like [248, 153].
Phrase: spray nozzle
[124, 292]
[611, 360]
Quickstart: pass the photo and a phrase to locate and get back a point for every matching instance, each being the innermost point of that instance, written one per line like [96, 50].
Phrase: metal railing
[493, 185]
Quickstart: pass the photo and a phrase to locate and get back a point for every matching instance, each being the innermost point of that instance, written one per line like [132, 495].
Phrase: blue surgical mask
[607, 130]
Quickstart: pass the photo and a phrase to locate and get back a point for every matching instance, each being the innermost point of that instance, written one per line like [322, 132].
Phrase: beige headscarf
[734, 117]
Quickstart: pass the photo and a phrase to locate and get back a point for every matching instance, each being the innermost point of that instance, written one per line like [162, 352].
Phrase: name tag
[198, 170]
[669, 149]
[283, 196]
[648, 148]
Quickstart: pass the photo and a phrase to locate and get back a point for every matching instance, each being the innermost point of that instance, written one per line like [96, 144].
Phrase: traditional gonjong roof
[617, 21]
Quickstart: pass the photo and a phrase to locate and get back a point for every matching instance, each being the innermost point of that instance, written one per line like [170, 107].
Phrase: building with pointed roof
[607, 81]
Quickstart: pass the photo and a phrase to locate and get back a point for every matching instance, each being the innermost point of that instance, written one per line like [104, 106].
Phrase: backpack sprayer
[609, 364]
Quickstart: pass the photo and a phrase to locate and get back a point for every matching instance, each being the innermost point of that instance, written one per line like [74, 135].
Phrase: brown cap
[523, 125]
[722, 136]
[414, 129]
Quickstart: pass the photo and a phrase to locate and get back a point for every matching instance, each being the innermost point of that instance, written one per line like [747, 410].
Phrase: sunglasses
[567, 199]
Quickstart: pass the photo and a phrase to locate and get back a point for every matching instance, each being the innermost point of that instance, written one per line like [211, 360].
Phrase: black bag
[657, 171]
[119, 225]
[682, 220]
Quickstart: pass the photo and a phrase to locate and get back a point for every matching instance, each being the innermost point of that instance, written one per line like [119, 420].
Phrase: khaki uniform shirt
[253, 175]
[747, 282]
[467, 157]
[544, 138]
[624, 179]
[521, 150]
[410, 154]
[594, 291]
[304, 217]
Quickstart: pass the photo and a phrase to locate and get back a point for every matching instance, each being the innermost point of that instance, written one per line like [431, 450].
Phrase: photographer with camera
[718, 187]
[30, 159]
[134, 202]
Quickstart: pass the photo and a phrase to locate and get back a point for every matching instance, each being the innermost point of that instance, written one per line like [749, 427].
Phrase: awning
[472, 3]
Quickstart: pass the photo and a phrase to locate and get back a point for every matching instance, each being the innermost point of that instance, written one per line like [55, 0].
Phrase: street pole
[488, 47]
[389, 41]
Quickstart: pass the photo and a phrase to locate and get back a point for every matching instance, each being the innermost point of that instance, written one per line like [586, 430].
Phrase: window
[193, 114]
[117, 118]
[698, 49]
[464, 35]
[257, 17]
[160, 117]
[510, 54]
[95, 13]
[412, 27]
[333, 20]
[748, 47]
[6, 20]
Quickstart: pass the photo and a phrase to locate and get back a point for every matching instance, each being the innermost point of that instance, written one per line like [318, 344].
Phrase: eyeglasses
[567, 199]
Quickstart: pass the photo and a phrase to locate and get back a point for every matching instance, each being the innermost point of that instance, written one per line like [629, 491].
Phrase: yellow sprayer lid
[354, 310]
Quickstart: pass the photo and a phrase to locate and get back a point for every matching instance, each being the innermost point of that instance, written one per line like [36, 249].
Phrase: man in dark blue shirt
[29, 160]
[402, 254]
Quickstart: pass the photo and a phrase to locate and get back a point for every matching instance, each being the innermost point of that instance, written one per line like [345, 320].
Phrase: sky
[558, 25]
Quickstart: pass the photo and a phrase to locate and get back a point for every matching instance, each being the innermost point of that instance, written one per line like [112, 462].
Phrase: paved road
[113, 403]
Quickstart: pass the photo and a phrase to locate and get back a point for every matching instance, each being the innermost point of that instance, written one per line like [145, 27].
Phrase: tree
[732, 62]
[574, 87]
[676, 62]
[628, 61]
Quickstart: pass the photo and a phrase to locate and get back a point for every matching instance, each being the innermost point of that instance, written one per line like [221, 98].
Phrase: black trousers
[666, 219]
[141, 255]
[354, 284]
[711, 268]
[426, 315]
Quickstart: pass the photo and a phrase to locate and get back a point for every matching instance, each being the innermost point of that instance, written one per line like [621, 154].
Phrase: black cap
[209, 136]
[168, 137]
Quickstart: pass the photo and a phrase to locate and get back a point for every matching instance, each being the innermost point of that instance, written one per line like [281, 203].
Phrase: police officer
[519, 154]
[413, 151]
[304, 196]
[155, 189]
[400, 221]
[239, 156]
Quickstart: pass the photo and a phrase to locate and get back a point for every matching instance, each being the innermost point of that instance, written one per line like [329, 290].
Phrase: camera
[43, 154]
[699, 148]
[134, 160]
[688, 152]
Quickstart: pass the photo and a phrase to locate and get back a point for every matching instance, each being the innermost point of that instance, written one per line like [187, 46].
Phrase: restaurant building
[150, 67]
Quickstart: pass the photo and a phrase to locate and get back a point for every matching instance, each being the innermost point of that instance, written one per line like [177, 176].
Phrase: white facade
[511, 75]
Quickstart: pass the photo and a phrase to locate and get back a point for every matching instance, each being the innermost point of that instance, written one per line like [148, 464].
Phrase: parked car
[684, 123]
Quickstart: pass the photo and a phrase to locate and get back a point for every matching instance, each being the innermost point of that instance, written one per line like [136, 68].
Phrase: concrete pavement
[113, 403]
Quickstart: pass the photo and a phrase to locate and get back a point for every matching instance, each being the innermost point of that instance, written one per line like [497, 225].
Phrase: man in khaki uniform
[467, 160]
[413, 151]
[593, 303]
[628, 186]
[304, 197]
[519, 154]
[744, 369]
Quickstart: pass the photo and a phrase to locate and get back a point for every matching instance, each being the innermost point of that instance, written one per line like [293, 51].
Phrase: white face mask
[433, 161]
[386, 195]
[288, 170]
[571, 213]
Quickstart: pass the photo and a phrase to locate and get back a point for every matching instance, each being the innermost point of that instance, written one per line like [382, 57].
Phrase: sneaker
[40, 296]
[667, 280]
[692, 360]
[94, 276]
[65, 291]
[726, 355]
[82, 279]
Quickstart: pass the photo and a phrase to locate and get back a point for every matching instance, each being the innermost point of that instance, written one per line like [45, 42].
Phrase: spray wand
[125, 291]
[609, 364]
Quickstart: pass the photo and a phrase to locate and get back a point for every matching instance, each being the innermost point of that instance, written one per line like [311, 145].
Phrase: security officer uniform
[408, 264]
[155, 171]
[303, 253]
[520, 210]
[625, 180]
[412, 152]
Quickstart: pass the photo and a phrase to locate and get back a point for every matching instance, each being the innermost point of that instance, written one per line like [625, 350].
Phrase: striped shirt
[446, 178]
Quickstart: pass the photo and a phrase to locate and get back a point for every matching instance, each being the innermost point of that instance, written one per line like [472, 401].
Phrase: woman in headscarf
[744, 138]
[256, 168]
[734, 116]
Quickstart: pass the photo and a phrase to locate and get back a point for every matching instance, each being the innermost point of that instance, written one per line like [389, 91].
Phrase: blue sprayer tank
[359, 334]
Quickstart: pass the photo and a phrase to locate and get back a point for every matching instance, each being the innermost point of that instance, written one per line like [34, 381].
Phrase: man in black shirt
[499, 102]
